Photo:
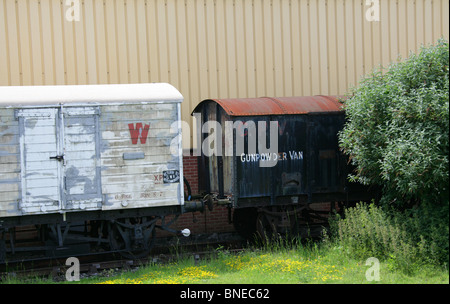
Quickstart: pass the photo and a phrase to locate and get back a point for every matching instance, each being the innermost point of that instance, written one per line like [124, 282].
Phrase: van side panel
[9, 163]
[138, 168]
[81, 158]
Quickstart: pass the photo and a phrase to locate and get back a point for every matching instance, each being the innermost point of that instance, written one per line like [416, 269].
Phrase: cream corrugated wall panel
[47, 42]
[315, 59]
[58, 45]
[213, 48]
[70, 64]
[35, 33]
[445, 22]
[278, 48]
[202, 48]
[14, 46]
[23, 32]
[4, 69]
[222, 81]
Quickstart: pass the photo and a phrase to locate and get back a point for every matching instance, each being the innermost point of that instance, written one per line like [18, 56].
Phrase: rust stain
[278, 106]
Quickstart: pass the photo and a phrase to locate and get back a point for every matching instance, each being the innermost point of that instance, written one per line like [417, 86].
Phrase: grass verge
[295, 265]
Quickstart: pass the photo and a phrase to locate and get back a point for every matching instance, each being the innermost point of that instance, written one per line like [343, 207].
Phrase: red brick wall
[190, 171]
[200, 223]
[197, 222]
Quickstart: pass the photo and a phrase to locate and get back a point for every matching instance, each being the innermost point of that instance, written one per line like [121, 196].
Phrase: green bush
[397, 129]
[397, 137]
[406, 240]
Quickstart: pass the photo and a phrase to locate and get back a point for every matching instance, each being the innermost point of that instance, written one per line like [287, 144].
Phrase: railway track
[106, 263]
[165, 249]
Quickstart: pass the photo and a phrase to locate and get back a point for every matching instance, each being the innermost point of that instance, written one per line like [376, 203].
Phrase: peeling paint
[80, 157]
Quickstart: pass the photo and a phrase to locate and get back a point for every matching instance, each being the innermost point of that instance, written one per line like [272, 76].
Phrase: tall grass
[404, 240]
[281, 261]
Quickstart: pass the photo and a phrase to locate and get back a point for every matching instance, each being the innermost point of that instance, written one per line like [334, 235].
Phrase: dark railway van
[271, 158]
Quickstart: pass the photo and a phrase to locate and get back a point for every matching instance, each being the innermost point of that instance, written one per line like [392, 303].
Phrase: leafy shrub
[397, 129]
[397, 137]
[405, 240]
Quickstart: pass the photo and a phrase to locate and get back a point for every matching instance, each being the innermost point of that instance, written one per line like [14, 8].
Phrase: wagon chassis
[268, 218]
[267, 223]
[128, 232]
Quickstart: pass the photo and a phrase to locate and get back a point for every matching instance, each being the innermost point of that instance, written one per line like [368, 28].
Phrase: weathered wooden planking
[10, 169]
[108, 155]
[138, 181]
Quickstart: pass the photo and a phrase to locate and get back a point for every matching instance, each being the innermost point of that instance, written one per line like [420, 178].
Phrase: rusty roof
[277, 106]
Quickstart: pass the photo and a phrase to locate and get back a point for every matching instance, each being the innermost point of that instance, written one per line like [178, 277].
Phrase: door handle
[57, 157]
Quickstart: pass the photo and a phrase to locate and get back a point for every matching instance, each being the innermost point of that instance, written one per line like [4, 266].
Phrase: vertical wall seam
[355, 78]
[94, 19]
[166, 23]
[149, 66]
[19, 44]
[138, 49]
[52, 39]
[216, 44]
[127, 40]
[116, 40]
[5, 16]
[86, 65]
[264, 51]
[320, 62]
[105, 24]
[63, 43]
[208, 68]
[178, 74]
[41, 44]
[302, 89]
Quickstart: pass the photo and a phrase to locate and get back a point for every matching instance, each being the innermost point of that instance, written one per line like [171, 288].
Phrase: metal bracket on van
[199, 205]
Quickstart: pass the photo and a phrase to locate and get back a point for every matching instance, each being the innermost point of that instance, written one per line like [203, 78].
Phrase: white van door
[59, 159]
[82, 184]
[41, 172]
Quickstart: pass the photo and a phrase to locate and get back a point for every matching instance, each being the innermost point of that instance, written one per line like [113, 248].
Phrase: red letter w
[138, 130]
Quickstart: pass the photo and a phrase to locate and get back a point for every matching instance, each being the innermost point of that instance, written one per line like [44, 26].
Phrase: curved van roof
[276, 106]
[16, 96]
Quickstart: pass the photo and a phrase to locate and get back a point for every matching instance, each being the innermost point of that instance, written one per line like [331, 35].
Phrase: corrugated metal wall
[212, 48]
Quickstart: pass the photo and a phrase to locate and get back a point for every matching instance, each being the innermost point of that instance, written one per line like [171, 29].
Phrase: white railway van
[90, 152]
